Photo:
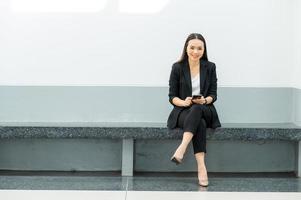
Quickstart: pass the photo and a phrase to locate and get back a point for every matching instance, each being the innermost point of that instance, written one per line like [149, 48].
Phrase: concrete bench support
[127, 157]
[298, 172]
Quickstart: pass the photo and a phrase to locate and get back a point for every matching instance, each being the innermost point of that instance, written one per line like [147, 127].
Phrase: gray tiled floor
[149, 182]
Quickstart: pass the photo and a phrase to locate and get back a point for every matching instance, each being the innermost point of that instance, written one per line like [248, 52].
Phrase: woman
[192, 92]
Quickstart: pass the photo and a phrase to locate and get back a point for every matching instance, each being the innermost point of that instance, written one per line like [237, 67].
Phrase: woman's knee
[197, 108]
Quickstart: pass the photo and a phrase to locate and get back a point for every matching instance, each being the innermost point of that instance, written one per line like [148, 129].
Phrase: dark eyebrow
[197, 46]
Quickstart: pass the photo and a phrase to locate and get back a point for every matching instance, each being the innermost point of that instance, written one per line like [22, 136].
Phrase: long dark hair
[192, 36]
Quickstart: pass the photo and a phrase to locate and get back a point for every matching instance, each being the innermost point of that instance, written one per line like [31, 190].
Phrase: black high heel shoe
[176, 160]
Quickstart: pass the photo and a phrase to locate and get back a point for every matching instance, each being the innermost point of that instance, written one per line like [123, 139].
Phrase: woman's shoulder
[177, 65]
[210, 65]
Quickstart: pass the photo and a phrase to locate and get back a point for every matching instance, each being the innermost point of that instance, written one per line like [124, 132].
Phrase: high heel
[204, 183]
[203, 177]
[176, 160]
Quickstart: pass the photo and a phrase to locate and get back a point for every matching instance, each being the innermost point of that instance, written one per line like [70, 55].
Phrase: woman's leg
[189, 120]
[199, 147]
[199, 138]
[179, 154]
[202, 171]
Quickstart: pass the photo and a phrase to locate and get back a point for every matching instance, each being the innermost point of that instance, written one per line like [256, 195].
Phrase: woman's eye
[199, 48]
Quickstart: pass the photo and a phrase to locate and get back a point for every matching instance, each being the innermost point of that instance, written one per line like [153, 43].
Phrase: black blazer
[180, 86]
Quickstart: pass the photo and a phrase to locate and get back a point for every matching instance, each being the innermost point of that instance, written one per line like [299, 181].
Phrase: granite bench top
[241, 132]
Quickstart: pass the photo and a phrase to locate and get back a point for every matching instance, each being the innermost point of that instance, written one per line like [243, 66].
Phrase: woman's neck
[193, 64]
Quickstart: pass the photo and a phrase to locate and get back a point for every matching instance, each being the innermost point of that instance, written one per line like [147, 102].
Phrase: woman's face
[195, 49]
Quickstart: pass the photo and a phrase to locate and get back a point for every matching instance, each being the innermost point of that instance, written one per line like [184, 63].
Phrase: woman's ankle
[202, 176]
[202, 169]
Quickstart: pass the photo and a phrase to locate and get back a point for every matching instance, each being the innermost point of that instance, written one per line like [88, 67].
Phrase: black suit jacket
[180, 86]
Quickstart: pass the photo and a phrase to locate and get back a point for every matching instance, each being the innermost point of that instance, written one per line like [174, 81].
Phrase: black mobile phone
[196, 96]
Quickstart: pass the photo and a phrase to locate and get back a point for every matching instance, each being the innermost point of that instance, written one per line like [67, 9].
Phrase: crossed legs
[194, 129]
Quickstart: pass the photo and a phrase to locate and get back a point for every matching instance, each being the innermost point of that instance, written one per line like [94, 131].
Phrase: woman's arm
[174, 82]
[209, 100]
[182, 103]
[212, 94]
[174, 87]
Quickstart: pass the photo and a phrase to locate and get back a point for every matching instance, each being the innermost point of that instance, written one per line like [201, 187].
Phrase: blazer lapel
[187, 76]
[203, 74]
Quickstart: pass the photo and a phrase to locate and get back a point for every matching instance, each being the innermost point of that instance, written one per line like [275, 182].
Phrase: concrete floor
[112, 181]
[147, 186]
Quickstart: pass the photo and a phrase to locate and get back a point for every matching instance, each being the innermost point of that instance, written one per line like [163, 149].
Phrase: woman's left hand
[199, 100]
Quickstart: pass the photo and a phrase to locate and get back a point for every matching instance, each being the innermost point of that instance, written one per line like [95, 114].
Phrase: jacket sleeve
[174, 83]
[213, 84]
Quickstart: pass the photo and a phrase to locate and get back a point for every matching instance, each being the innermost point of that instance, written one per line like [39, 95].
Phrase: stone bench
[130, 132]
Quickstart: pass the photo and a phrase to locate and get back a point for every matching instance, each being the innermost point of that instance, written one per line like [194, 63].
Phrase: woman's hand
[187, 102]
[201, 100]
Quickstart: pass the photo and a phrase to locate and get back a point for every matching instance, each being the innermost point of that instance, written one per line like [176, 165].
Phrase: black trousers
[194, 119]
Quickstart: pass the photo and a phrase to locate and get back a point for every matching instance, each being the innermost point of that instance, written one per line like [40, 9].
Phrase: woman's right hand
[187, 102]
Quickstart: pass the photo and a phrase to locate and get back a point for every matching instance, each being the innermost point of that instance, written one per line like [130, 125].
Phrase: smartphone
[197, 96]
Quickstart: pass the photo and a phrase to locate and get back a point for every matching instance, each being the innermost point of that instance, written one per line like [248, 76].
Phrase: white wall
[297, 63]
[297, 44]
[250, 41]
